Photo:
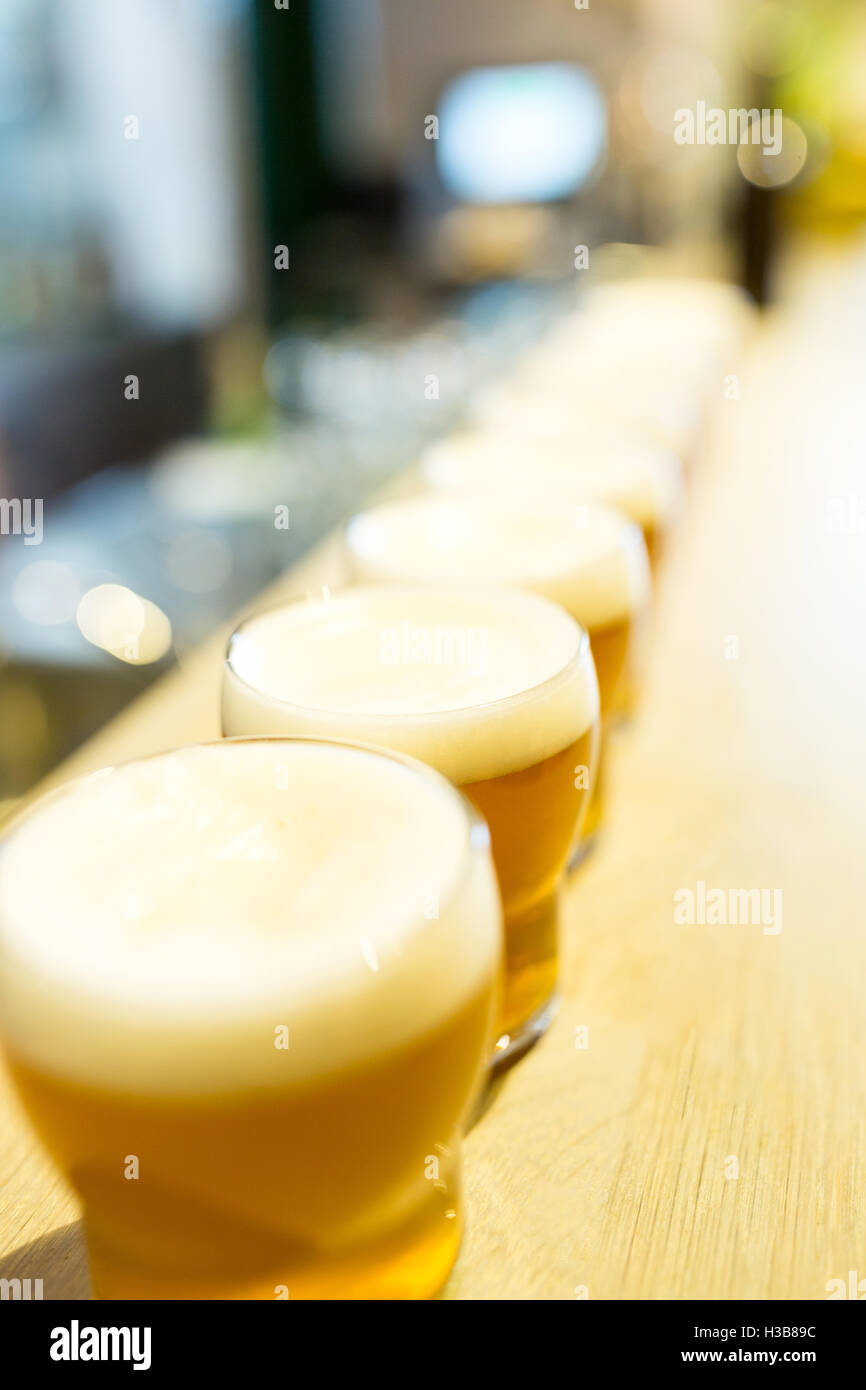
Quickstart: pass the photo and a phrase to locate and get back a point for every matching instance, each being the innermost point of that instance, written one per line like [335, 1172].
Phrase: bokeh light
[767, 170]
[46, 592]
[525, 133]
[131, 628]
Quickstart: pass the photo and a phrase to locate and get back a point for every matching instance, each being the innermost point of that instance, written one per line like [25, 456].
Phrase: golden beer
[588, 558]
[238, 1025]
[493, 687]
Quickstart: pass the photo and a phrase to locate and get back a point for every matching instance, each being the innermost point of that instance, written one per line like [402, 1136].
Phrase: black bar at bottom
[240, 1338]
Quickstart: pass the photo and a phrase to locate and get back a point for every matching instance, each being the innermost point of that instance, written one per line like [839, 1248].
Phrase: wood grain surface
[709, 1140]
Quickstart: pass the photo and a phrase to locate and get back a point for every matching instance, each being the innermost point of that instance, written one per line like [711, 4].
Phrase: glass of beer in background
[588, 558]
[637, 477]
[593, 403]
[650, 354]
[677, 333]
[248, 989]
[494, 687]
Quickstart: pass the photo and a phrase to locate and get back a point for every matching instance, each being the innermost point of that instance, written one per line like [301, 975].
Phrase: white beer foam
[475, 680]
[641, 479]
[159, 921]
[646, 348]
[593, 393]
[586, 557]
[711, 313]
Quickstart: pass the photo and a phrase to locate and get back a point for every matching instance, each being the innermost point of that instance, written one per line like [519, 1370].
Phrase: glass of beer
[650, 352]
[589, 558]
[584, 397]
[693, 330]
[495, 688]
[637, 477]
[248, 991]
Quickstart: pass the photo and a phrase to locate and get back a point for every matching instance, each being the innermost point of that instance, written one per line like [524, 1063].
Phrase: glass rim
[623, 536]
[476, 842]
[655, 466]
[405, 718]
[625, 439]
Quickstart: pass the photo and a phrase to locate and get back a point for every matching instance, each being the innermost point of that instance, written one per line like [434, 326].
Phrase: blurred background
[254, 255]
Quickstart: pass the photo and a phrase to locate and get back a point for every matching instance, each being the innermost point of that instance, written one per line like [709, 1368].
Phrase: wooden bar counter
[694, 1123]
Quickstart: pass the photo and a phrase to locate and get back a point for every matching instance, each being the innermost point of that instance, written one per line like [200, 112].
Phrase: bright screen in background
[523, 134]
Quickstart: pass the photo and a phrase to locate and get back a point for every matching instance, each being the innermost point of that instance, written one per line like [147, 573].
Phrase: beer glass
[633, 476]
[692, 329]
[590, 559]
[248, 990]
[650, 353]
[593, 400]
[494, 687]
